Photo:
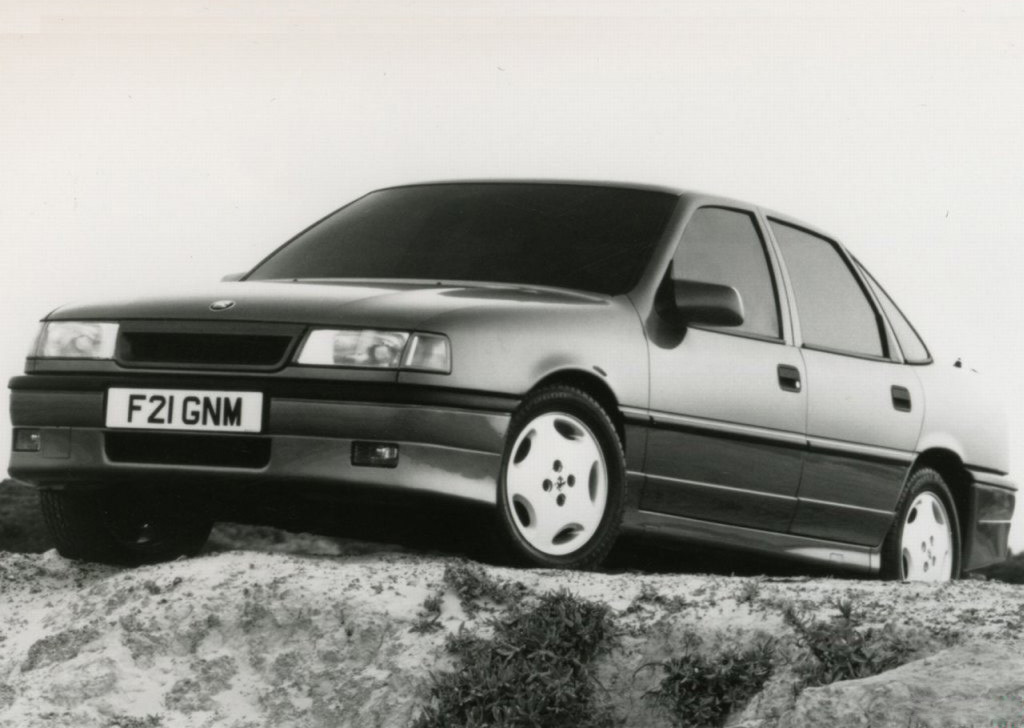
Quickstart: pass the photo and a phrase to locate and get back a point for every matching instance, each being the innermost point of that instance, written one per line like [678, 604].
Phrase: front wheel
[924, 542]
[561, 491]
[126, 526]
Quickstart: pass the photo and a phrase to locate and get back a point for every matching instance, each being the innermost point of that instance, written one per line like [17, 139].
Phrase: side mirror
[231, 277]
[707, 303]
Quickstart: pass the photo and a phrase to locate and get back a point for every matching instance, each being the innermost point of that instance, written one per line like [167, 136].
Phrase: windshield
[570, 236]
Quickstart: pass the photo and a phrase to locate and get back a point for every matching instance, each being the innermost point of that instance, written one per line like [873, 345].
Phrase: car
[587, 359]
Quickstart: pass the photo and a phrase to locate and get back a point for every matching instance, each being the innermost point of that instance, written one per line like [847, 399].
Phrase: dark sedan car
[587, 358]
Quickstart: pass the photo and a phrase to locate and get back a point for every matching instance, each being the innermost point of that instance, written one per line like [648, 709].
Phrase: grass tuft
[700, 690]
[429, 618]
[473, 586]
[749, 592]
[534, 671]
[649, 596]
[843, 649]
[130, 721]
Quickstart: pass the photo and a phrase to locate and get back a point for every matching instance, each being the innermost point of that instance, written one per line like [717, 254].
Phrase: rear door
[865, 406]
[727, 404]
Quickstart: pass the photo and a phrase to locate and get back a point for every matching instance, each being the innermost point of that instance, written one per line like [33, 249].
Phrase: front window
[723, 246]
[589, 238]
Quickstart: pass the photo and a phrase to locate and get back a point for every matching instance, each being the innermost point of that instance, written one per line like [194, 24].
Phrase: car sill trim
[803, 548]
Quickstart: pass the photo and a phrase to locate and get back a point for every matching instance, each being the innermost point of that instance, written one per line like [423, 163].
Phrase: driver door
[728, 407]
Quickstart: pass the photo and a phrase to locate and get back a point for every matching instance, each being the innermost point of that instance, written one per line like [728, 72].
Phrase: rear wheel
[924, 542]
[126, 526]
[562, 480]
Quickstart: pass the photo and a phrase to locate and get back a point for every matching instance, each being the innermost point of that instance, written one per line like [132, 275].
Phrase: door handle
[901, 399]
[789, 378]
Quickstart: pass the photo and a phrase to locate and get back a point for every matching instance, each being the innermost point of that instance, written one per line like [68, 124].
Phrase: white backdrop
[158, 144]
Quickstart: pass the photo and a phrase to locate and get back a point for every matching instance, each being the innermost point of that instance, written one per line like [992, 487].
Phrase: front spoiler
[448, 450]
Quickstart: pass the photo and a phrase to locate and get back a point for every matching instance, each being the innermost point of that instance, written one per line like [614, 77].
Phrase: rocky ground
[276, 629]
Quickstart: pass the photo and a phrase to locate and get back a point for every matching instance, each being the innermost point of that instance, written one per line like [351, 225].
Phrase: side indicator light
[27, 440]
[375, 454]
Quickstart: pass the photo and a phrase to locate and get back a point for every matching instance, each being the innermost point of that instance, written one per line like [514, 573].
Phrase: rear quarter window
[912, 346]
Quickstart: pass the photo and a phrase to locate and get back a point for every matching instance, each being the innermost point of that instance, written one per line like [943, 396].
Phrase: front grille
[223, 451]
[208, 348]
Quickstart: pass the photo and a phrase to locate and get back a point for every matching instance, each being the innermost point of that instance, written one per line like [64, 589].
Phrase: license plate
[183, 409]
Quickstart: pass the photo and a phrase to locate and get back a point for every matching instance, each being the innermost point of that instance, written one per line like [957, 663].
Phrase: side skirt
[783, 545]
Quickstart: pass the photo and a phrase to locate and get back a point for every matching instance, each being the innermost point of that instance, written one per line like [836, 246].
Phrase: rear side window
[723, 246]
[914, 350]
[834, 311]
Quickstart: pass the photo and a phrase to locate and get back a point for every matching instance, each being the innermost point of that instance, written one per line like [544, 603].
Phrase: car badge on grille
[221, 305]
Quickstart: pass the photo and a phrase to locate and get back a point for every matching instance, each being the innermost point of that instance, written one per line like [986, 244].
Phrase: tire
[125, 527]
[924, 543]
[562, 483]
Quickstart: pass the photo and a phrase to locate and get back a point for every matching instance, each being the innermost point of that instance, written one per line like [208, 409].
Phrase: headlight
[376, 349]
[76, 340]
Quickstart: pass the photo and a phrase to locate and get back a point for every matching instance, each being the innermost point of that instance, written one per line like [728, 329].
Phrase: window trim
[739, 334]
[881, 322]
[851, 354]
[774, 275]
[896, 339]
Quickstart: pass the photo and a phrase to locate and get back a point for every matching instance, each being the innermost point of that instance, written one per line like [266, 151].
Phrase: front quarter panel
[507, 347]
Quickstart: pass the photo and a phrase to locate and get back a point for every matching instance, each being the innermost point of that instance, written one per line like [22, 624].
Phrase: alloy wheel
[556, 484]
[927, 540]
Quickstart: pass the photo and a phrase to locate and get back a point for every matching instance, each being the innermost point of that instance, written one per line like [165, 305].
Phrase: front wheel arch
[592, 385]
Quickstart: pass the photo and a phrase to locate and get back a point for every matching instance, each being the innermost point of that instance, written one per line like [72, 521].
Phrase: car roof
[545, 181]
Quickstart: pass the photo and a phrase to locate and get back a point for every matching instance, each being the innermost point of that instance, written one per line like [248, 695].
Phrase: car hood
[398, 305]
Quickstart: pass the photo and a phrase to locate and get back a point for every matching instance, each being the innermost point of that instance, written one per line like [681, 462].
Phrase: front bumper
[450, 442]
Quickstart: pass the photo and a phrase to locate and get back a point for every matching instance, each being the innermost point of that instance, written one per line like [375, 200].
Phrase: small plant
[472, 585]
[700, 690]
[842, 649]
[749, 592]
[650, 596]
[129, 721]
[535, 671]
[429, 617]
[847, 610]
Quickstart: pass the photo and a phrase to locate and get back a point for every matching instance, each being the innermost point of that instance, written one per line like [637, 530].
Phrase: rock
[316, 638]
[58, 647]
[89, 681]
[978, 684]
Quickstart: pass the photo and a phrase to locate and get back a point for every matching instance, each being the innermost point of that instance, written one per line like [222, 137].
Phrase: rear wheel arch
[949, 465]
[938, 474]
